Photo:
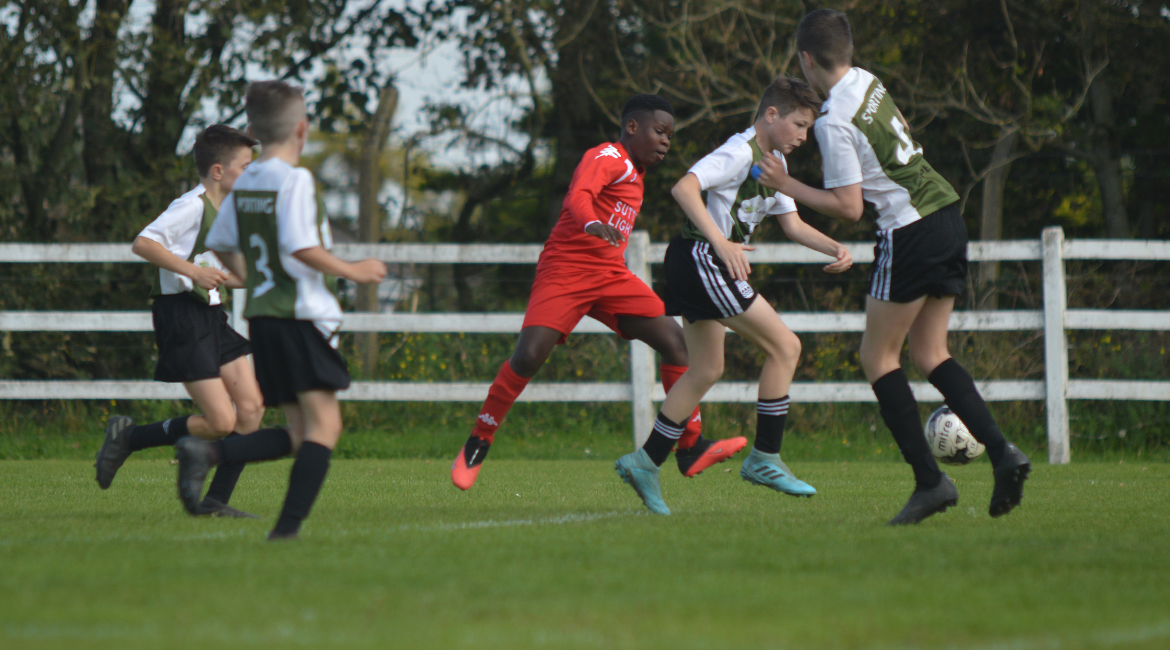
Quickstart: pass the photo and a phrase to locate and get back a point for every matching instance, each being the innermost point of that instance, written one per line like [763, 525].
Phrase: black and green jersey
[271, 214]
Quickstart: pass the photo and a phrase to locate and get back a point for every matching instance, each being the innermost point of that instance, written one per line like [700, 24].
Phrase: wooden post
[641, 356]
[1055, 345]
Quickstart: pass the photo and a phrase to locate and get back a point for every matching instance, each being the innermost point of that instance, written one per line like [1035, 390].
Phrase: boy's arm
[234, 262]
[158, 255]
[368, 271]
[587, 184]
[688, 194]
[805, 235]
[843, 202]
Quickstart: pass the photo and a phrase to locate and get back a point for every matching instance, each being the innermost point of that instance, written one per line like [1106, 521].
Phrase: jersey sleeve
[224, 234]
[296, 213]
[180, 218]
[722, 166]
[842, 163]
[591, 178]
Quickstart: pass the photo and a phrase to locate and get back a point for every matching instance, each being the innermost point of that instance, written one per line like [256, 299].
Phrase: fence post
[1055, 345]
[239, 301]
[641, 356]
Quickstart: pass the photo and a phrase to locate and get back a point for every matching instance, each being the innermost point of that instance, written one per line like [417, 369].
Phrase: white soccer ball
[949, 439]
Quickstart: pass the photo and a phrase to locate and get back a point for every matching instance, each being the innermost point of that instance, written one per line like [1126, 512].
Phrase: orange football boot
[706, 453]
[466, 466]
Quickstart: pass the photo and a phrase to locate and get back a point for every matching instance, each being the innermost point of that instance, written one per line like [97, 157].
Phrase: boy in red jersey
[582, 272]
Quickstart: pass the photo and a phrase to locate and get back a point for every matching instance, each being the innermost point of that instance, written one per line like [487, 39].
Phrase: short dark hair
[274, 108]
[826, 35]
[787, 95]
[644, 104]
[216, 144]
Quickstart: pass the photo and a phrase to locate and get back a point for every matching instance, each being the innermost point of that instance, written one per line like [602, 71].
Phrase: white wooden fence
[642, 390]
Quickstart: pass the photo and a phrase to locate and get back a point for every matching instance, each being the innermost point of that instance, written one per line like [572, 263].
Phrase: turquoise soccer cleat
[768, 470]
[642, 474]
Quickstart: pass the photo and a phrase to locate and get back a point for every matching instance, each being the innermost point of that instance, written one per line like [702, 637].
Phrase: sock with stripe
[662, 439]
[900, 412]
[157, 434]
[506, 387]
[224, 481]
[694, 427]
[771, 416]
[964, 400]
[304, 483]
[265, 444]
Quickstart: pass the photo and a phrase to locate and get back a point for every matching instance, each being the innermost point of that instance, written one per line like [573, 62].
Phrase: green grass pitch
[560, 554]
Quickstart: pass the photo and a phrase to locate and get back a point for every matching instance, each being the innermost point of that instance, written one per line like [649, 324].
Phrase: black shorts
[194, 339]
[925, 258]
[293, 356]
[698, 286]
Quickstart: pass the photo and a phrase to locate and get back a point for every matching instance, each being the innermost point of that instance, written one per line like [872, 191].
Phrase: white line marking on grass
[572, 518]
[1102, 639]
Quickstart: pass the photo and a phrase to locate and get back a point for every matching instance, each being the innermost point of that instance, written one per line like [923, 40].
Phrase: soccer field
[560, 554]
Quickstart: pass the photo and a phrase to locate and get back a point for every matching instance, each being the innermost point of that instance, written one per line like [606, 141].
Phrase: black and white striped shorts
[698, 286]
[925, 258]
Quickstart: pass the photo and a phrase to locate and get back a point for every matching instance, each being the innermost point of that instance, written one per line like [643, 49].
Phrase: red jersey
[606, 187]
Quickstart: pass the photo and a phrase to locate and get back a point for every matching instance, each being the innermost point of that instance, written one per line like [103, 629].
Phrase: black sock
[662, 439]
[265, 444]
[304, 482]
[900, 413]
[157, 434]
[224, 482]
[963, 398]
[771, 415]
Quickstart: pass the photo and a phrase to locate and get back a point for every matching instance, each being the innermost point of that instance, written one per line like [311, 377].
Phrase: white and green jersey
[182, 229]
[270, 214]
[863, 139]
[736, 201]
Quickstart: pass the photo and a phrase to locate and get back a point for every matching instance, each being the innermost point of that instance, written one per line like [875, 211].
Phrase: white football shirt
[723, 171]
[177, 229]
[291, 196]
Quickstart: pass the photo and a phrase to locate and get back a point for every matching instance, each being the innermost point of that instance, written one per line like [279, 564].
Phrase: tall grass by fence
[643, 390]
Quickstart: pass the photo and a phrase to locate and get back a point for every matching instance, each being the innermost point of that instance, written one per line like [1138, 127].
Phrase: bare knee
[673, 350]
[926, 360]
[526, 361]
[785, 349]
[221, 423]
[248, 415]
[708, 373]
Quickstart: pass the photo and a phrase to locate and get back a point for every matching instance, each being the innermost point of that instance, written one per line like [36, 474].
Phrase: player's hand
[844, 261]
[606, 232]
[208, 277]
[735, 257]
[369, 271]
[772, 172]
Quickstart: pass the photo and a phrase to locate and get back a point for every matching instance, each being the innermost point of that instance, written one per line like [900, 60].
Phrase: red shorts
[561, 297]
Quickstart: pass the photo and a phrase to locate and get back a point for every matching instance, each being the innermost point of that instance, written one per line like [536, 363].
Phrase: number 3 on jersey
[256, 241]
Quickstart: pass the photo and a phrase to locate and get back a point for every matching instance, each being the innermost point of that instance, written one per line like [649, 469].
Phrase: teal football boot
[642, 474]
[768, 470]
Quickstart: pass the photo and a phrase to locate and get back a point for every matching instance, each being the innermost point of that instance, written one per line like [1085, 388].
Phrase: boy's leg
[762, 326]
[640, 469]
[535, 345]
[886, 326]
[666, 338]
[239, 380]
[928, 348]
[322, 429]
